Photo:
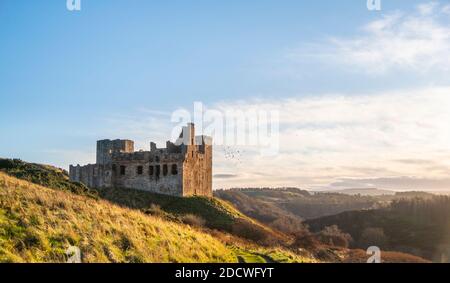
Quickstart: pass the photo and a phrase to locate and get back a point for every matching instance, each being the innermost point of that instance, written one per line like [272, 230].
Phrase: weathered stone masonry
[183, 168]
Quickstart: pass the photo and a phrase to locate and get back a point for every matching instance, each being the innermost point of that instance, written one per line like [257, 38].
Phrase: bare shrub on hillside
[304, 239]
[287, 224]
[155, 210]
[193, 220]
[249, 231]
[333, 236]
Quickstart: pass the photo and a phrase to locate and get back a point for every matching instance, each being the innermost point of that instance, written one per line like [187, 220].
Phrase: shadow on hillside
[211, 212]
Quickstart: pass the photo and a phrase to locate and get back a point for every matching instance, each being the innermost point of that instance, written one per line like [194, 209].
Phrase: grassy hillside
[215, 213]
[264, 211]
[38, 224]
[44, 175]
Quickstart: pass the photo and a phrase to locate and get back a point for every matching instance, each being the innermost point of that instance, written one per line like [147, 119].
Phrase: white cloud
[325, 139]
[427, 8]
[417, 41]
[331, 140]
[396, 183]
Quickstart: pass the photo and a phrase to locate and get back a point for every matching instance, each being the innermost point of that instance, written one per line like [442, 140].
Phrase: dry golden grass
[38, 224]
[216, 213]
[274, 234]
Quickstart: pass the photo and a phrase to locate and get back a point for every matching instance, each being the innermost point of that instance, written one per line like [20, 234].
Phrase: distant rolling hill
[291, 204]
[419, 226]
[368, 219]
[362, 191]
[286, 208]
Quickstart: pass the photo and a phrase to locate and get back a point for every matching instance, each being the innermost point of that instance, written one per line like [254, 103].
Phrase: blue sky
[116, 69]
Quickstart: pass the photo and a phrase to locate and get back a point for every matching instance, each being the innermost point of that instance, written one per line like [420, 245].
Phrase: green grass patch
[44, 175]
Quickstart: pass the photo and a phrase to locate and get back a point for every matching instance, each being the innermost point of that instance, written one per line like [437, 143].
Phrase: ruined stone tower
[183, 168]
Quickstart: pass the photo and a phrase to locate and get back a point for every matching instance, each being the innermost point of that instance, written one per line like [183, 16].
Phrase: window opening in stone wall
[158, 170]
[151, 170]
[174, 169]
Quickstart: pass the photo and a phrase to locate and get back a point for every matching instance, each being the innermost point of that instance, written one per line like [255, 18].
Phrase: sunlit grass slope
[216, 213]
[38, 224]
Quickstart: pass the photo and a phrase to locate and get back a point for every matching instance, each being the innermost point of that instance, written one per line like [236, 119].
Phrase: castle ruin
[183, 168]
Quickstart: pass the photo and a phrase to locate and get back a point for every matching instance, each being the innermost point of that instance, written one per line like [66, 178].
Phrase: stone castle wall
[149, 171]
[106, 148]
[177, 170]
[92, 175]
[197, 171]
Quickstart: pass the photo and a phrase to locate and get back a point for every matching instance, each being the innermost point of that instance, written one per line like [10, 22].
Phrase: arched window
[174, 169]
